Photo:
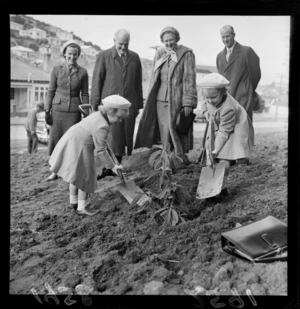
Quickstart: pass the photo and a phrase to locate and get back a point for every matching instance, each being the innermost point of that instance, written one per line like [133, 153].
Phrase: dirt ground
[123, 250]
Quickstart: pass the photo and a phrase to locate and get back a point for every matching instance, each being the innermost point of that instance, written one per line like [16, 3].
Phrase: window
[40, 93]
[12, 93]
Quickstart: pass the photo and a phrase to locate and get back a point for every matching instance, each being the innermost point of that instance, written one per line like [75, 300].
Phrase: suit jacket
[182, 91]
[233, 129]
[110, 76]
[243, 72]
[65, 89]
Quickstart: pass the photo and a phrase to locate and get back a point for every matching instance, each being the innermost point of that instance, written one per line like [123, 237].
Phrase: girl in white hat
[83, 147]
[232, 127]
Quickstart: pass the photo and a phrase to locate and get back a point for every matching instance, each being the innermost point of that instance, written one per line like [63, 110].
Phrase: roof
[19, 71]
[22, 48]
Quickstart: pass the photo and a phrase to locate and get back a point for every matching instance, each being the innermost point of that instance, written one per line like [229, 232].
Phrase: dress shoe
[85, 212]
[74, 206]
[52, 177]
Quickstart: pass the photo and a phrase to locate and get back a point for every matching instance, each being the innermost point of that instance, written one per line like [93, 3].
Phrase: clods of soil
[124, 250]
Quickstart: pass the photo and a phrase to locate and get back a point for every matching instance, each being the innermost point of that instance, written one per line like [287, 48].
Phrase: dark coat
[110, 76]
[65, 89]
[182, 92]
[243, 72]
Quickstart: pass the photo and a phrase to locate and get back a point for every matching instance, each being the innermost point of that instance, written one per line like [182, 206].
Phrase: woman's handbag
[261, 241]
[183, 123]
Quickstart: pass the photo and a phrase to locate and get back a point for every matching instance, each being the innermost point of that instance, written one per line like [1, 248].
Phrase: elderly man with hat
[83, 149]
[68, 88]
[232, 128]
[172, 89]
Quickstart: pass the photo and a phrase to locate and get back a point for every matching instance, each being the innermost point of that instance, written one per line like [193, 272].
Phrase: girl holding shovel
[231, 126]
[84, 147]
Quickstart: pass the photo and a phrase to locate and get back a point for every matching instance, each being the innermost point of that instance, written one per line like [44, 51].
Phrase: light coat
[81, 153]
[233, 129]
[243, 72]
[111, 76]
[182, 92]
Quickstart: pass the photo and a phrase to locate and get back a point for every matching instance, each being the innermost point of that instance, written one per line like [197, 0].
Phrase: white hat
[213, 80]
[64, 47]
[116, 101]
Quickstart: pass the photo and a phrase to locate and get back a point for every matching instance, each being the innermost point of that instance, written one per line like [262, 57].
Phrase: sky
[269, 36]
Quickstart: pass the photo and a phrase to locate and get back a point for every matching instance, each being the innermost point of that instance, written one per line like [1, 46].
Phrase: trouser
[163, 122]
[32, 143]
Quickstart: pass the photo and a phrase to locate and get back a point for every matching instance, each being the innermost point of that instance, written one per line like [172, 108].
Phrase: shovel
[211, 176]
[128, 188]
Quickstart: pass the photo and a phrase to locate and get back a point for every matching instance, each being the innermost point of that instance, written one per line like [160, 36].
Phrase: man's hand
[187, 110]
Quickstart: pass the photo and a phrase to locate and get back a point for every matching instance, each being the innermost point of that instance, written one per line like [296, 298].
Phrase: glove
[48, 118]
[116, 168]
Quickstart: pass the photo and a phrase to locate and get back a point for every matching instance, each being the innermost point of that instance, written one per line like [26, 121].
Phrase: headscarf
[172, 30]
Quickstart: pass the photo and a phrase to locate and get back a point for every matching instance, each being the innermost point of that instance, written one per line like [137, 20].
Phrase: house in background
[22, 51]
[15, 26]
[54, 41]
[34, 33]
[28, 86]
[64, 35]
[89, 50]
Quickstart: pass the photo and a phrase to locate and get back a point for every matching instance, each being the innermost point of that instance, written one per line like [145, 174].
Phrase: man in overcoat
[118, 70]
[240, 65]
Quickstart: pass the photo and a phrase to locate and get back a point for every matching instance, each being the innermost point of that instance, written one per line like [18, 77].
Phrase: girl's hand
[116, 168]
[214, 153]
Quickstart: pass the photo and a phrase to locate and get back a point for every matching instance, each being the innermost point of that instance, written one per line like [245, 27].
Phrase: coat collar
[65, 68]
[235, 54]
[180, 51]
[117, 56]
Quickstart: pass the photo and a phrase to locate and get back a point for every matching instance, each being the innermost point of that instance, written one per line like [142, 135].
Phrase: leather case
[261, 241]
[183, 124]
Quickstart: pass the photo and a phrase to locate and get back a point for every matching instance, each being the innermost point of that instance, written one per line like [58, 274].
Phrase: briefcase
[261, 241]
[183, 123]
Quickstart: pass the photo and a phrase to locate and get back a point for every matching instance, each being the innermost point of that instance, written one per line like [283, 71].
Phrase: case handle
[269, 240]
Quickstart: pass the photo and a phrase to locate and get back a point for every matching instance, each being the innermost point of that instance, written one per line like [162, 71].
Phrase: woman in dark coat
[172, 88]
[68, 89]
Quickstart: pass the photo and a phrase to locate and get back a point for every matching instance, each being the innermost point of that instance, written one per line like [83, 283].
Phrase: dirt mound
[123, 250]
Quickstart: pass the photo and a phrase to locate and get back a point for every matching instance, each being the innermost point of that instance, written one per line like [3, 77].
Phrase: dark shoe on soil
[106, 172]
[73, 206]
[52, 177]
[85, 212]
[185, 159]
[224, 192]
[244, 161]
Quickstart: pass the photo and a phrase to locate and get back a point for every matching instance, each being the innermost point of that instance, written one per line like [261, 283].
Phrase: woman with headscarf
[83, 149]
[172, 88]
[68, 89]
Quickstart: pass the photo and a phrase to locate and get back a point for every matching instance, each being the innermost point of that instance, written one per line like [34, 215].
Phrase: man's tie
[228, 54]
[124, 58]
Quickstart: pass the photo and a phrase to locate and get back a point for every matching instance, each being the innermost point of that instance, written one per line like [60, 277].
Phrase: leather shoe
[53, 176]
[85, 212]
[74, 206]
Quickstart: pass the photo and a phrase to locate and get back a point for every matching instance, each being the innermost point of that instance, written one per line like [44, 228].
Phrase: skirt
[62, 121]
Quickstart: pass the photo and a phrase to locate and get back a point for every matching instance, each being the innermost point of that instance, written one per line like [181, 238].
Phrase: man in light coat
[240, 65]
[118, 70]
